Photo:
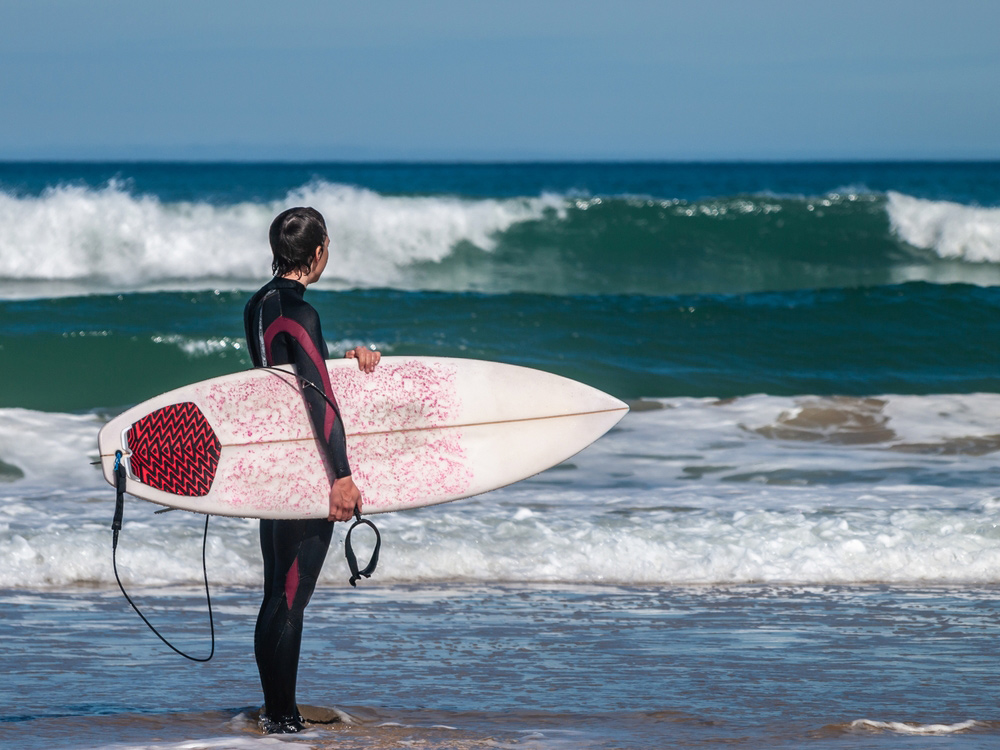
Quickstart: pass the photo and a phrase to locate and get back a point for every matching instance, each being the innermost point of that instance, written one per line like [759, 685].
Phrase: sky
[500, 80]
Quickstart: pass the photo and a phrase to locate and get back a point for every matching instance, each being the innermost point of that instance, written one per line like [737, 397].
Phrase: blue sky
[511, 80]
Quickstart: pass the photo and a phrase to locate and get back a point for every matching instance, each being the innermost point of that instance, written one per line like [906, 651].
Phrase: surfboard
[420, 431]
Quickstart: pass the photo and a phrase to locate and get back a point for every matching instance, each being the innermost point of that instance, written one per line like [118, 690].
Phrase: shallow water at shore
[517, 666]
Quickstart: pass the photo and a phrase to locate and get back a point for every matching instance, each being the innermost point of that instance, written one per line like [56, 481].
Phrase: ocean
[792, 540]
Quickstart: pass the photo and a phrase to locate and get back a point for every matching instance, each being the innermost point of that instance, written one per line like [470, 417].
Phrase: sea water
[792, 540]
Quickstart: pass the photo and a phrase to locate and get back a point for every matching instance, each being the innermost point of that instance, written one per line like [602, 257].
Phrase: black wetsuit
[282, 328]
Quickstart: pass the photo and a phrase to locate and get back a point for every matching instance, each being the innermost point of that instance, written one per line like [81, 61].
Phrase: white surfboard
[420, 431]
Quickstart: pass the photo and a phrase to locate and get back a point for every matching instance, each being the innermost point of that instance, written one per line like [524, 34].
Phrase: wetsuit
[282, 328]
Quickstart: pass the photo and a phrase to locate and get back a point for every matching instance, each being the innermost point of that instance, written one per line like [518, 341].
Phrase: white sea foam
[201, 347]
[226, 742]
[72, 239]
[759, 489]
[108, 238]
[198, 347]
[951, 230]
[900, 727]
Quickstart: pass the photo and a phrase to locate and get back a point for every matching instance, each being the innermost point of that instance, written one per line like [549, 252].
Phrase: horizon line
[459, 161]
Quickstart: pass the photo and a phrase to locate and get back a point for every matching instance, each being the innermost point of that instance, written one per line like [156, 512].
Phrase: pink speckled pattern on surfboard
[420, 431]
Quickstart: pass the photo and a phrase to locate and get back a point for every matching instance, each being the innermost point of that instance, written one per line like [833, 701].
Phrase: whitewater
[76, 239]
[689, 491]
[792, 539]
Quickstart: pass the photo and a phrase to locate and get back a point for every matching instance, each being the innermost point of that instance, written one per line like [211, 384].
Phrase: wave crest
[74, 233]
[951, 230]
[73, 239]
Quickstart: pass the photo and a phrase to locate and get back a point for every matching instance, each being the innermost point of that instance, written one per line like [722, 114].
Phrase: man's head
[295, 234]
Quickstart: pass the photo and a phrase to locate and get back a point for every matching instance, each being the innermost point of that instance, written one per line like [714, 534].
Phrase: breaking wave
[73, 239]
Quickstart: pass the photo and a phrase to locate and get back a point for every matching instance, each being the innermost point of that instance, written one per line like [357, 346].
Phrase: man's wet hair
[295, 234]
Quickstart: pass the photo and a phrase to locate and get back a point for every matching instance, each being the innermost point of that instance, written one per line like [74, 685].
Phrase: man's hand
[344, 498]
[367, 358]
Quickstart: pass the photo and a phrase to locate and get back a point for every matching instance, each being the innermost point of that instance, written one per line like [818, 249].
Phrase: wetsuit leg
[293, 557]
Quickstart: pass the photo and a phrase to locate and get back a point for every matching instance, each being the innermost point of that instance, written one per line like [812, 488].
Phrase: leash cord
[116, 526]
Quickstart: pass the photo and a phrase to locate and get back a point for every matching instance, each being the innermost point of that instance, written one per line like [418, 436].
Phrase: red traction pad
[174, 449]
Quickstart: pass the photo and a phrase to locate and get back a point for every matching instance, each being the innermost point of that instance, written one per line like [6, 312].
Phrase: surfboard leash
[352, 560]
[116, 526]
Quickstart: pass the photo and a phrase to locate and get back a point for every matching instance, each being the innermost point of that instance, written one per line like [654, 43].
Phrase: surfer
[282, 328]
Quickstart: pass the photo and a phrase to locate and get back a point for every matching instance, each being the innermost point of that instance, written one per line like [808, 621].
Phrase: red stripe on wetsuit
[292, 582]
[296, 331]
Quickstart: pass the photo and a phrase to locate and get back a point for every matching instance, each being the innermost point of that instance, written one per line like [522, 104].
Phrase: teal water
[227, 182]
[118, 281]
[791, 541]
[100, 351]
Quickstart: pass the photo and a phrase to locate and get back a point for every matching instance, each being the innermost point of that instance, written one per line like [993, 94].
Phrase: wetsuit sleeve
[298, 332]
